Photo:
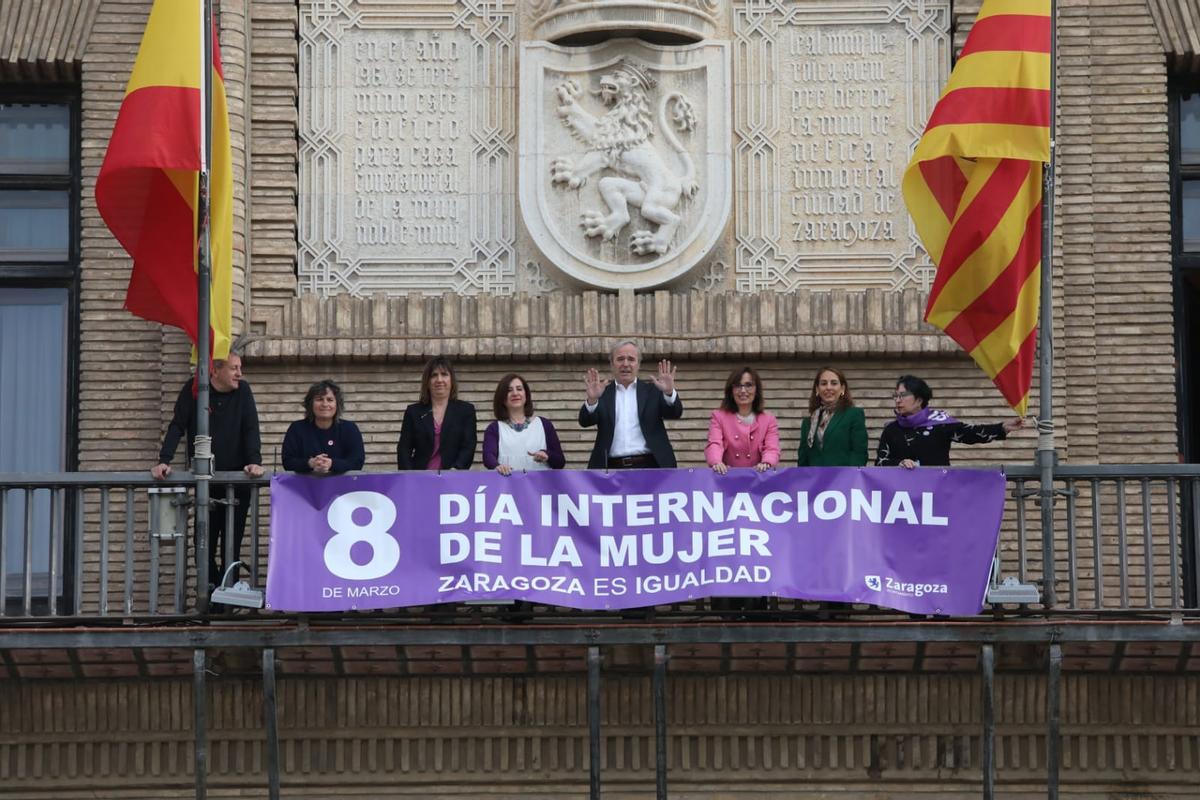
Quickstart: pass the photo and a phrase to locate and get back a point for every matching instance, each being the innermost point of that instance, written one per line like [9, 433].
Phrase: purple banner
[915, 540]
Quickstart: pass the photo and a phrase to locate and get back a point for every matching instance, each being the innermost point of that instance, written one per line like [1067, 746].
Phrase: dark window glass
[1190, 207]
[33, 398]
[35, 139]
[35, 225]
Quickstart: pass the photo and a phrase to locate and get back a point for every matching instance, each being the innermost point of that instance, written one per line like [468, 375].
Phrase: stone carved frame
[491, 266]
[761, 262]
[545, 139]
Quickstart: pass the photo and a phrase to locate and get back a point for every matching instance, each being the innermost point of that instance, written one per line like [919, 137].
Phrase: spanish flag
[148, 185]
[974, 190]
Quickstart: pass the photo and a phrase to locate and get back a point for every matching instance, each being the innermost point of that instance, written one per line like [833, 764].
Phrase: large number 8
[385, 550]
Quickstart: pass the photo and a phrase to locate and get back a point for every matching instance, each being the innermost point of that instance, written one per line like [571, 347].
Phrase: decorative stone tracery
[407, 126]
[831, 97]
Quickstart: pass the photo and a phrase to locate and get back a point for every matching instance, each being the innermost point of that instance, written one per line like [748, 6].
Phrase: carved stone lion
[621, 141]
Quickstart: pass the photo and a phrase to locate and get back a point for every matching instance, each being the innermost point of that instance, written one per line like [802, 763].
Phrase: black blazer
[653, 408]
[415, 447]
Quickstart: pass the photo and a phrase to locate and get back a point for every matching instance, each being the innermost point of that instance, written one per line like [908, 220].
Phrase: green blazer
[844, 443]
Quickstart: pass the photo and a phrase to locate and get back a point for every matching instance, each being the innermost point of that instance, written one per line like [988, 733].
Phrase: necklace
[748, 419]
[518, 426]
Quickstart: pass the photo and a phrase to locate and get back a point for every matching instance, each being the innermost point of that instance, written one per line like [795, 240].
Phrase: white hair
[613, 353]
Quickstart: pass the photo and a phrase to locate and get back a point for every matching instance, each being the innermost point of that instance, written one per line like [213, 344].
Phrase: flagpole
[1047, 456]
[202, 468]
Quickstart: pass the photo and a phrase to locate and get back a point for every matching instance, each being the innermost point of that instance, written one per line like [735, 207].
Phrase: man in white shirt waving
[629, 413]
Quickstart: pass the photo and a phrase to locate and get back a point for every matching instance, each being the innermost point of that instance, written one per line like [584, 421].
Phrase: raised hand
[595, 385]
[665, 379]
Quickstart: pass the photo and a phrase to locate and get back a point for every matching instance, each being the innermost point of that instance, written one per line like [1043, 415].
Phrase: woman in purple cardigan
[518, 440]
[740, 433]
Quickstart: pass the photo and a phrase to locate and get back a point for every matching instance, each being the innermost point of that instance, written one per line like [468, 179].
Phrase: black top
[653, 408]
[232, 423]
[459, 437]
[343, 444]
[930, 446]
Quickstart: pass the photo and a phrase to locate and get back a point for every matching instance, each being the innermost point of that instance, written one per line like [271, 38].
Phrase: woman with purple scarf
[921, 436]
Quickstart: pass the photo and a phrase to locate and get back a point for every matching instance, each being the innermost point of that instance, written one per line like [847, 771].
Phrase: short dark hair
[735, 377]
[500, 407]
[917, 387]
[814, 399]
[438, 362]
[316, 390]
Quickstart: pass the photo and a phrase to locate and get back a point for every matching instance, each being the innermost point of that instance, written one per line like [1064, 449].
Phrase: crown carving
[637, 73]
[557, 19]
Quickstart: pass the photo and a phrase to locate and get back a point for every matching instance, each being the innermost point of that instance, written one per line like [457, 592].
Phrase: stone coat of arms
[625, 177]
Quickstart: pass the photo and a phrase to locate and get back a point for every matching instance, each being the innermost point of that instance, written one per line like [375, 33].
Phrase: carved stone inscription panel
[407, 128]
[831, 97]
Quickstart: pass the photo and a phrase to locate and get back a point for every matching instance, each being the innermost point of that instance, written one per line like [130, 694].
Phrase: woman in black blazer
[438, 432]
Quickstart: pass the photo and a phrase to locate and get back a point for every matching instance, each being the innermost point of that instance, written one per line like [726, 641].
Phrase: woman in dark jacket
[438, 432]
[835, 432]
[323, 443]
[921, 436]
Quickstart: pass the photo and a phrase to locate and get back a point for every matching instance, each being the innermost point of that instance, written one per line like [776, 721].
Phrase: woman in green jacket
[835, 433]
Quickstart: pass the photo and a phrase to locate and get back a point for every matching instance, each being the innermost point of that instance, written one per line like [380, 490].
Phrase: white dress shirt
[628, 439]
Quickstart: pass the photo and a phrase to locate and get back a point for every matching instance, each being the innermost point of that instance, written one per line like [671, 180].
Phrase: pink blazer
[739, 445]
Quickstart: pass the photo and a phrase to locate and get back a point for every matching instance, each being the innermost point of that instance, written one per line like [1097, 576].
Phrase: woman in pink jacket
[740, 433]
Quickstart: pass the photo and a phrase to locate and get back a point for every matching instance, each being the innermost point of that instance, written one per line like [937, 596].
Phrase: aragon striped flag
[974, 190]
[148, 184]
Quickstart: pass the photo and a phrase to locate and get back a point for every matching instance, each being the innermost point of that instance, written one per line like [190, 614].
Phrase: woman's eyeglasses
[898, 396]
[744, 386]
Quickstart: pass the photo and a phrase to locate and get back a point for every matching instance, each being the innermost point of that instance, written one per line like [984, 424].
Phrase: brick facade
[735, 736]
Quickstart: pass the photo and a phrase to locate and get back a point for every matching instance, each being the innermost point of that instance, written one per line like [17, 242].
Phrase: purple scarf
[926, 418]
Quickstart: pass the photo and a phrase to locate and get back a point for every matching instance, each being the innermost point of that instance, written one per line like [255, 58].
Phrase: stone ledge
[560, 326]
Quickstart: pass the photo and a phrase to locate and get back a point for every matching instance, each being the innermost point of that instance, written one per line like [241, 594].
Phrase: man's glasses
[898, 396]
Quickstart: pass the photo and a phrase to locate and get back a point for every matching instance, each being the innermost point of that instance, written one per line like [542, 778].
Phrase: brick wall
[767, 736]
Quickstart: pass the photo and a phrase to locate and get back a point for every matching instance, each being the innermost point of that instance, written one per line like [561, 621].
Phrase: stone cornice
[44, 41]
[553, 326]
[558, 19]
[1178, 25]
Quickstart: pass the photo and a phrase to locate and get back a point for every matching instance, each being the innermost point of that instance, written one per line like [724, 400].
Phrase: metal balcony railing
[103, 545]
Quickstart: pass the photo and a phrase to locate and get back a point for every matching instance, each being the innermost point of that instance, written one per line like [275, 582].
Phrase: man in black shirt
[236, 445]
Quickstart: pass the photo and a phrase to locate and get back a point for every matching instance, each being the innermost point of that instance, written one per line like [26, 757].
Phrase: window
[1185, 238]
[39, 191]
[39, 274]
[1187, 167]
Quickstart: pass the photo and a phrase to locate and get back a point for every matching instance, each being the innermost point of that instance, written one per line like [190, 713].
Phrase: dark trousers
[216, 528]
